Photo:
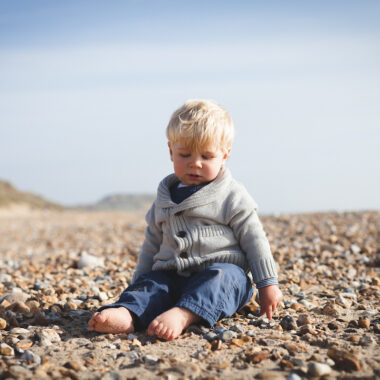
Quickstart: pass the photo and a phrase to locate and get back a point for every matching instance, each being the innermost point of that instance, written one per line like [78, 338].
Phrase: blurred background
[87, 89]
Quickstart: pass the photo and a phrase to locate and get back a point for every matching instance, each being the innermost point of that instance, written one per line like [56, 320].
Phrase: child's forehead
[186, 146]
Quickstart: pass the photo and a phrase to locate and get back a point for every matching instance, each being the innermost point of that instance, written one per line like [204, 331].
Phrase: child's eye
[184, 155]
[206, 157]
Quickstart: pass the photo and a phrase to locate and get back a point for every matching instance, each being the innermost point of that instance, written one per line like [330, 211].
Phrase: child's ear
[227, 152]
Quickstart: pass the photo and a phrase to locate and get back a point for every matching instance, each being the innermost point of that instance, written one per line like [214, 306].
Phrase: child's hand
[269, 298]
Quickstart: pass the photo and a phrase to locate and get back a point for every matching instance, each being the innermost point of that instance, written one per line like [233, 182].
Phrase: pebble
[30, 356]
[304, 319]
[7, 350]
[367, 340]
[293, 376]
[48, 336]
[319, 369]
[149, 359]
[237, 328]
[3, 324]
[344, 360]
[227, 335]
[288, 323]
[17, 295]
[89, 261]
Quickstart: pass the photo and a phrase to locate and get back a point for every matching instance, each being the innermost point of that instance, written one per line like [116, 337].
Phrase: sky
[87, 88]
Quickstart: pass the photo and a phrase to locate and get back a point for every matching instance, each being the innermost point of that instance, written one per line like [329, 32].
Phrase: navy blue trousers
[214, 293]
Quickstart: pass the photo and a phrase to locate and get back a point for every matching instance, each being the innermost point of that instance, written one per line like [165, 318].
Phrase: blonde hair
[199, 124]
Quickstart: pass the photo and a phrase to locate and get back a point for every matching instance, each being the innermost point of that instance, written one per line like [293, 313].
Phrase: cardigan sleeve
[249, 231]
[150, 246]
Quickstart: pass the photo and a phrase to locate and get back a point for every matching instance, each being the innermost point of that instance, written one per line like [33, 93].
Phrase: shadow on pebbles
[56, 269]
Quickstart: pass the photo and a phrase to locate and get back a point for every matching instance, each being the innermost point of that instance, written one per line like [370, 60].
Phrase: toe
[160, 330]
[152, 327]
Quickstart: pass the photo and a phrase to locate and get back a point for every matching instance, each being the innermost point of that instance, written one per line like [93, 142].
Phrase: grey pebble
[219, 329]
[149, 359]
[227, 335]
[31, 357]
[293, 376]
[237, 328]
[366, 340]
[288, 323]
[210, 336]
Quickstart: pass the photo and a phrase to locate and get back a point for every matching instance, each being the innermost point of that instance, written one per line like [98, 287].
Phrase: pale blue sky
[87, 89]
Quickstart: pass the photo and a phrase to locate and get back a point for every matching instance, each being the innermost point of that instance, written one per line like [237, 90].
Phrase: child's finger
[269, 313]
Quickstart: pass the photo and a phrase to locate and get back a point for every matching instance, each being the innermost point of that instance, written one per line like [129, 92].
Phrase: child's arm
[150, 246]
[269, 298]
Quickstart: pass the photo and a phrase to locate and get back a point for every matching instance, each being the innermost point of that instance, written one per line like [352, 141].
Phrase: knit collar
[205, 195]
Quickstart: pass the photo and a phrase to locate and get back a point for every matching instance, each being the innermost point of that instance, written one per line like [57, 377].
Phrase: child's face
[193, 168]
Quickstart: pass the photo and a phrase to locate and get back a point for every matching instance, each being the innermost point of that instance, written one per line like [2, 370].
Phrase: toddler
[202, 239]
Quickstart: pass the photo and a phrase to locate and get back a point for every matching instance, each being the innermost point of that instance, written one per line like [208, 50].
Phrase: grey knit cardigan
[218, 223]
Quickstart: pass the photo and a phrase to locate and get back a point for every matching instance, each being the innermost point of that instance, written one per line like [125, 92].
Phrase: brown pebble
[297, 306]
[354, 339]
[364, 323]
[24, 344]
[216, 345]
[256, 357]
[344, 360]
[3, 324]
[304, 319]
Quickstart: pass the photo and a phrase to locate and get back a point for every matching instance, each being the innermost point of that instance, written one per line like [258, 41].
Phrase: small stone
[89, 261]
[76, 366]
[366, 340]
[364, 323]
[297, 306]
[7, 350]
[216, 345]
[211, 336]
[319, 369]
[31, 357]
[330, 309]
[288, 323]
[270, 375]
[24, 344]
[333, 325]
[344, 360]
[237, 328]
[132, 336]
[256, 357]
[48, 336]
[19, 331]
[149, 359]
[304, 319]
[354, 339]
[3, 324]
[307, 329]
[19, 307]
[17, 295]
[293, 376]
[227, 335]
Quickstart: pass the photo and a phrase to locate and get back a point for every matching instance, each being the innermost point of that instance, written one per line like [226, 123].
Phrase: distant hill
[10, 196]
[122, 202]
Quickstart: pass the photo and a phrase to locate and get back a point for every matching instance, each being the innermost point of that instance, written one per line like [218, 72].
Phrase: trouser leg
[149, 296]
[216, 292]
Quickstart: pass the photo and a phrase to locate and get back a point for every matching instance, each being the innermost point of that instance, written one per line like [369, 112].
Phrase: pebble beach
[58, 267]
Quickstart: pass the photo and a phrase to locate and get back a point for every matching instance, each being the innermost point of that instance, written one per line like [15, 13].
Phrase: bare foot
[114, 320]
[169, 325]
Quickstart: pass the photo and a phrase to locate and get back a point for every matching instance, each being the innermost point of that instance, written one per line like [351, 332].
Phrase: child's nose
[196, 164]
